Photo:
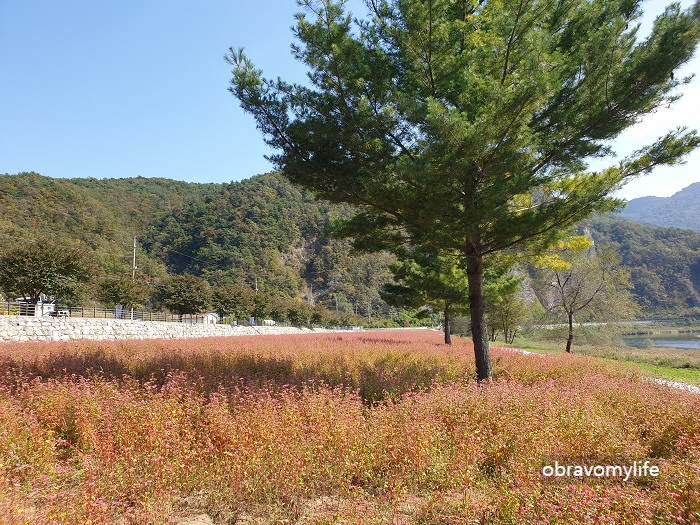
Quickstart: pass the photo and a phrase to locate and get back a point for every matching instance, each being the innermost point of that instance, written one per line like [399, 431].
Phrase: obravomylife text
[635, 470]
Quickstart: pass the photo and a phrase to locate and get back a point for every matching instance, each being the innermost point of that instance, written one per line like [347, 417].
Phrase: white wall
[20, 328]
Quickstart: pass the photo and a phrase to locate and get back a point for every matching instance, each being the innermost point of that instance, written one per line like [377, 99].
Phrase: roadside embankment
[20, 329]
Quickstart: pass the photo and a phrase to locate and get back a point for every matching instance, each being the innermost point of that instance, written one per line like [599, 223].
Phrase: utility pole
[133, 275]
[133, 265]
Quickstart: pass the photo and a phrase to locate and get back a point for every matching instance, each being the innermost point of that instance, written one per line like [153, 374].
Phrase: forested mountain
[261, 230]
[268, 230]
[264, 229]
[681, 210]
[664, 262]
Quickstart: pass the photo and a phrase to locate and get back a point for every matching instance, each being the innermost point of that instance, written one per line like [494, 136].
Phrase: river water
[684, 341]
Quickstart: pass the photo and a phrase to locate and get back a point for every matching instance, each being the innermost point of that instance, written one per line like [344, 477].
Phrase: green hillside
[664, 262]
[268, 231]
[262, 230]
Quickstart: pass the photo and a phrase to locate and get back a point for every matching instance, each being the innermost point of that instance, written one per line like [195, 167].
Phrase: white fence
[93, 312]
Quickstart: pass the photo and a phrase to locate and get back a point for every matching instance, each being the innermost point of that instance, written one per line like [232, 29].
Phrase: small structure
[208, 318]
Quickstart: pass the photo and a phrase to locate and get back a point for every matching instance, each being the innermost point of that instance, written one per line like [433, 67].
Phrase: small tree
[580, 278]
[428, 279]
[184, 294]
[505, 309]
[506, 312]
[30, 269]
[278, 308]
[299, 313]
[320, 315]
[261, 305]
[236, 301]
[123, 291]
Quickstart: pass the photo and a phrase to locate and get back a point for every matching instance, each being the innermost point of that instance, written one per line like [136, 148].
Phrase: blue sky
[126, 88]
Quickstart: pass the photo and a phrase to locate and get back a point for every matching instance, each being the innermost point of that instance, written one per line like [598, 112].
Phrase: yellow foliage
[521, 202]
[575, 243]
[554, 260]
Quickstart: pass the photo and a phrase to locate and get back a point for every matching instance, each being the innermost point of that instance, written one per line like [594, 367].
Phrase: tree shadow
[377, 379]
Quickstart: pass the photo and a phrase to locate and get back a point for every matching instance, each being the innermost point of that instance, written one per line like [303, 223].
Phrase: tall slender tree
[469, 125]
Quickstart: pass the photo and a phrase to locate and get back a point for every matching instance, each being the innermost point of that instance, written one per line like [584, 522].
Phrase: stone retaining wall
[19, 328]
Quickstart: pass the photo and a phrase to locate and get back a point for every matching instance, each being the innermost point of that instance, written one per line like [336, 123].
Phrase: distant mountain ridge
[664, 263]
[681, 210]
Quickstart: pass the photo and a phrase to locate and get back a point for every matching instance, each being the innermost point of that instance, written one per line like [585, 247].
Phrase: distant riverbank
[686, 341]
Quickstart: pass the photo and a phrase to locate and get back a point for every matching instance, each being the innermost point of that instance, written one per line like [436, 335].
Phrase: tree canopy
[31, 268]
[123, 291]
[236, 301]
[185, 294]
[466, 125]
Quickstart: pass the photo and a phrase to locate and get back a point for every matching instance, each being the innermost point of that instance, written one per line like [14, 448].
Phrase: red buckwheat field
[383, 427]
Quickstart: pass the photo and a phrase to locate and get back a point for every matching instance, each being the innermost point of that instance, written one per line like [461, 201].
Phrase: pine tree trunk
[570, 340]
[448, 329]
[477, 307]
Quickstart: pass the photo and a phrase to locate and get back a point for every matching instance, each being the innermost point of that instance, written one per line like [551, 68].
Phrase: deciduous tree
[234, 300]
[261, 306]
[505, 309]
[469, 125]
[579, 278]
[123, 291]
[31, 268]
[184, 294]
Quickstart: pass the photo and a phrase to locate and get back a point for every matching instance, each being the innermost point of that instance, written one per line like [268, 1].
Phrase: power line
[170, 250]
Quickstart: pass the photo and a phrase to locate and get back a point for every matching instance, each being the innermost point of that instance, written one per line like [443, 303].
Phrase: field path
[675, 384]
[678, 385]
[199, 519]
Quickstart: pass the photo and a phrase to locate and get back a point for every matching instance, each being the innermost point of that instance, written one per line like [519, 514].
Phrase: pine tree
[428, 279]
[469, 125]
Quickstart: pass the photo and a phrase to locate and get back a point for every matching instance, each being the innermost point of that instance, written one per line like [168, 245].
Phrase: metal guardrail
[9, 308]
[88, 312]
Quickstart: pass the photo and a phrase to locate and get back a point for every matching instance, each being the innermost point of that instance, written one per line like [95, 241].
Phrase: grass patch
[667, 363]
[684, 375]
